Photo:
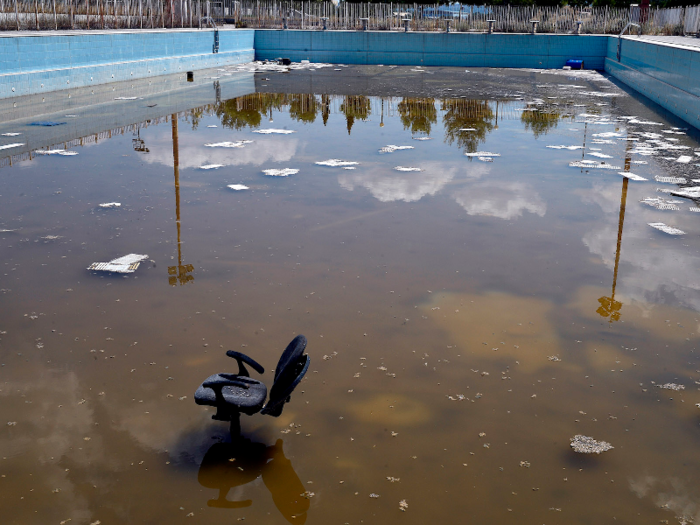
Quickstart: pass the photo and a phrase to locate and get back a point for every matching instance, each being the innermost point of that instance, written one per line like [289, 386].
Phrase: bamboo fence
[274, 14]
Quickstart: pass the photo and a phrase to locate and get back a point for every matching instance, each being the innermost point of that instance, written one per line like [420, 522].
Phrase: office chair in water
[233, 394]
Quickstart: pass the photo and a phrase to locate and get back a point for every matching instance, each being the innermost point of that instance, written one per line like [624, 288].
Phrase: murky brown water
[464, 321]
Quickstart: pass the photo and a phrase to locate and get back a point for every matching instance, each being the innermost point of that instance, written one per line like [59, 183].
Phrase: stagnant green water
[465, 319]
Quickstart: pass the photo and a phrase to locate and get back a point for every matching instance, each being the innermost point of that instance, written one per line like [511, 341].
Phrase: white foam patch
[666, 228]
[572, 148]
[660, 204]
[482, 154]
[271, 131]
[391, 148]
[11, 134]
[62, 152]
[406, 168]
[632, 176]
[235, 144]
[211, 166]
[15, 145]
[284, 172]
[600, 155]
[237, 187]
[592, 164]
[336, 163]
[670, 180]
[108, 205]
[431, 138]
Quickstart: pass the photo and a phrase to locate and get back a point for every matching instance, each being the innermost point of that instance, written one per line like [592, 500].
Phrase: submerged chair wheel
[233, 394]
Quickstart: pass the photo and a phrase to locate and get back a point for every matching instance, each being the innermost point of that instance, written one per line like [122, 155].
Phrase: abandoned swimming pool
[486, 263]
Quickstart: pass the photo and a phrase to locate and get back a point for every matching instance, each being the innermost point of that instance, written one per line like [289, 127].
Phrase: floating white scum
[261, 67]
[406, 168]
[108, 205]
[15, 145]
[126, 98]
[608, 134]
[431, 138]
[593, 164]
[572, 148]
[271, 131]
[660, 204]
[237, 187]
[126, 264]
[336, 163]
[671, 386]
[211, 166]
[236, 144]
[632, 176]
[600, 155]
[666, 228]
[284, 172]
[391, 148]
[670, 180]
[62, 152]
[684, 159]
[482, 154]
[588, 445]
[11, 134]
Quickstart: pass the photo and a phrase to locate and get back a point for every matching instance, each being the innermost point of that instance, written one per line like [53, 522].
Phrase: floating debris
[553, 358]
[406, 168]
[373, 495]
[422, 138]
[525, 464]
[235, 144]
[238, 187]
[671, 386]
[670, 180]
[482, 154]
[271, 131]
[600, 155]
[125, 98]
[588, 445]
[391, 148]
[336, 163]
[62, 152]
[211, 166]
[284, 172]
[126, 264]
[666, 229]
[684, 159]
[593, 164]
[565, 147]
[11, 134]
[109, 205]
[15, 145]
[47, 123]
[631, 176]
[660, 204]
[403, 505]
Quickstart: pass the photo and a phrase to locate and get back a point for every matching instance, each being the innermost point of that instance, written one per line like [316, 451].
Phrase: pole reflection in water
[609, 307]
[229, 465]
[179, 273]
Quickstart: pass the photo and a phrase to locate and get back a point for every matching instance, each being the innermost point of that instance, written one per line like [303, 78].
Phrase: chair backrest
[290, 370]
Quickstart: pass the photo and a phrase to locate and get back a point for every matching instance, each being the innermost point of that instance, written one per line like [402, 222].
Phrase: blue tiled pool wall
[43, 63]
[431, 49]
[669, 76]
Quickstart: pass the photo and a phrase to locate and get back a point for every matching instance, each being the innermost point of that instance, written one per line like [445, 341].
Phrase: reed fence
[311, 15]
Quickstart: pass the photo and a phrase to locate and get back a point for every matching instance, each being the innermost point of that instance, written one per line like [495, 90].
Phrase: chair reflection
[229, 465]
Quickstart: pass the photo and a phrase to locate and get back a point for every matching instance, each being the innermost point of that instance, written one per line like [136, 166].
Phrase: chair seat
[247, 400]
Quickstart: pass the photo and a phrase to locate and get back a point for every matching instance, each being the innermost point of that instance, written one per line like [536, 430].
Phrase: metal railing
[276, 14]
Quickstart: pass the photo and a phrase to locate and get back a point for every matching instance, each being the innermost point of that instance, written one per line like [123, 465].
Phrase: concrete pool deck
[665, 69]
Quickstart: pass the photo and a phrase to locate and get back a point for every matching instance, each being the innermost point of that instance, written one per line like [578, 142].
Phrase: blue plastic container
[574, 63]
